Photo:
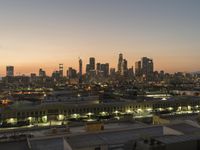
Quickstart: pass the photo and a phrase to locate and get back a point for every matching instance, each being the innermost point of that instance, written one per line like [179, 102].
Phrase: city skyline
[37, 34]
[92, 64]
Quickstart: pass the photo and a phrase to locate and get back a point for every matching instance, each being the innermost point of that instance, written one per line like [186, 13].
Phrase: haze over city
[41, 34]
[99, 75]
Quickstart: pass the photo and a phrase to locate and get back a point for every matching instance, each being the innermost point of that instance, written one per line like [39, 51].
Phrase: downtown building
[144, 69]
[10, 71]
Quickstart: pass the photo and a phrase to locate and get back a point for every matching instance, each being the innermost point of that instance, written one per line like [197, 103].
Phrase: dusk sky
[43, 33]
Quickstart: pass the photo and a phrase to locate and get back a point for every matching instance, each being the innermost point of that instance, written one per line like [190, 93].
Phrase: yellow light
[170, 108]
[5, 102]
[44, 118]
[128, 111]
[149, 109]
[103, 113]
[12, 120]
[61, 117]
[75, 116]
[189, 107]
[179, 108]
[30, 118]
[89, 114]
[116, 112]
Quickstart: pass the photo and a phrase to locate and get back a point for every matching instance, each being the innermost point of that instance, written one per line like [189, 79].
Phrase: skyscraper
[130, 72]
[71, 73]
[112, 72]
[42, 73]
[10, 71]
[125, 67]
[147, 67]
[120, 64]
[92, 63]
[80, 70]
[87, 68]
[138, 69]
[105, 69]
[98, 67]
[61, 70]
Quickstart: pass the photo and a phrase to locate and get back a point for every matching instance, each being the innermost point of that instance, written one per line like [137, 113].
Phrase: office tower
[10, 71]
[147, 67]
[138, 69]
[42, 73]
[61, 70]
[125, 64]
[161, 75]
[56, 74]
[120, 64]
[87, 68]
[80, 70]
[130, 72]
[98, 67]
[125, 67]
[105, 69]
[92, 63]
[71, 73]
[112, 72]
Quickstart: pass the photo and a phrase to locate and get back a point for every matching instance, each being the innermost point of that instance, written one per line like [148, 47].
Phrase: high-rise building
[61, 70]
[147, 67]
[80, 70]
[98, 67]
[71, 73]
[112, 72]
[10, 71]
[125, 67]
[92, 63]
[87, 68]
[56, 75]
[120, 64]
[42, 73]
[130, 72]
[138, 69]
[105, 69]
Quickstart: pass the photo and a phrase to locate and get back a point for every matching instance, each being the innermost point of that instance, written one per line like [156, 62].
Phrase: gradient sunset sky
[43, 33]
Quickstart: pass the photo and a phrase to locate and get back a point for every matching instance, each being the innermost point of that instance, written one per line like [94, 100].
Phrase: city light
[102, 75]
[44, 119]
[179, 108]
[189, 108]
[170, 108]
[75, 116]
[61, 117]
[116, 112]
[128, 111]
[103, 113]
[12, 120]
[30, 119]
[149, 109]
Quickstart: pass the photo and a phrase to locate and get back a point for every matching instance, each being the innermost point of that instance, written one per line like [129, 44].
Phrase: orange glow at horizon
[26, 68]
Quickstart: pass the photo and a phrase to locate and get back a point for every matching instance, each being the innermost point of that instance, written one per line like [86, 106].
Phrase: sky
[43, 33]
